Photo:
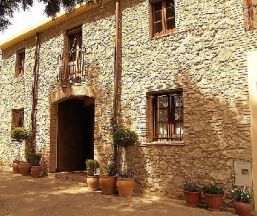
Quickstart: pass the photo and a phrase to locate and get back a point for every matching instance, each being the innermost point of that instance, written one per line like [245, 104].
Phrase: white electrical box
[243, 173]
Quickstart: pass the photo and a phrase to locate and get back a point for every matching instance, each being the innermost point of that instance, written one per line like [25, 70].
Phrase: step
[78, 176]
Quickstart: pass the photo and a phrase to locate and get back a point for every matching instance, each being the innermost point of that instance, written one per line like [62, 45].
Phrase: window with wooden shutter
[20, 61]
[165, 116]
[162, 17]
[250, 14]
[17, 118]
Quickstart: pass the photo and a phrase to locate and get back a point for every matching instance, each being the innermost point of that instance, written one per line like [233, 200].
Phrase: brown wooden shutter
[254, 14]
[247, 19]
[17, 118]
[149, 118]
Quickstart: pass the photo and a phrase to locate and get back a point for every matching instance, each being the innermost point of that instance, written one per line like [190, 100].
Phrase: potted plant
[191, 194]
[214, 196]
[15, 166]
[125, 137]
[19, 134]
[125, 183]
[242, 200]
[92, 179]
[36, 169]
[108, 182]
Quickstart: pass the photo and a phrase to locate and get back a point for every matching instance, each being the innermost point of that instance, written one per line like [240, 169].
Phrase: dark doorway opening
[75, 139]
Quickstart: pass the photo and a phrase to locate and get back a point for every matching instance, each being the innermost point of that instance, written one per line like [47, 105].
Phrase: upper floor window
[165, 116]
[162, 17]
[17, 118]
[74, 43]
[250, 14]
[20, 61]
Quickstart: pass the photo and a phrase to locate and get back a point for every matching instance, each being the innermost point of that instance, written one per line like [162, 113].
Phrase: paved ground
[24, 196]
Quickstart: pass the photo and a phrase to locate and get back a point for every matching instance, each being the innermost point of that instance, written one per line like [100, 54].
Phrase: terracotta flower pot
[93, 183]
[108, 184]
[15, 167]
[192, 198]
[243, 209]
[214, 201]
[36, 171]
[25, 168]
[125, 186]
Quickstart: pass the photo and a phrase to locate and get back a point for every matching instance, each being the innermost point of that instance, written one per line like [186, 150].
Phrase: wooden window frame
[17, 118]
[250, 14]
[165, 31]
[20, 63]
[151, 113]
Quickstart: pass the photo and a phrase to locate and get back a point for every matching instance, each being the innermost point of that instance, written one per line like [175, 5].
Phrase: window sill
[164, 35]
[162, 143]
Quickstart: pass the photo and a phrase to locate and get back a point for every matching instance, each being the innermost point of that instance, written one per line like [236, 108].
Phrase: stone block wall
[206, 57]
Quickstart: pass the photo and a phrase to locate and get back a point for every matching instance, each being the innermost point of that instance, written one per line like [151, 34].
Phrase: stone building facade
[205, 58]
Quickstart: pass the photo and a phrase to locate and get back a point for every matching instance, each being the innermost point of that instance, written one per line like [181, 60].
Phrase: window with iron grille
[17, 118]
[20, 61]
[165, 116]
[162, 17]
[74, 43]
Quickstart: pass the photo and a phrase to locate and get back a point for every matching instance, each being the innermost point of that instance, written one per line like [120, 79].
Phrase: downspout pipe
[117, 74]
[35, 95]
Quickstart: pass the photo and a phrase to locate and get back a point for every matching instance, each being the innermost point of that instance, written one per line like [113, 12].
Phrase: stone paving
[23, 195]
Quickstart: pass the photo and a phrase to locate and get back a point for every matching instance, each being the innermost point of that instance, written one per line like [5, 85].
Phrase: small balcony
[72, 68]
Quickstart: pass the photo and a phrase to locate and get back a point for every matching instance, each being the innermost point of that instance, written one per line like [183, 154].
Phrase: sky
[24, 20]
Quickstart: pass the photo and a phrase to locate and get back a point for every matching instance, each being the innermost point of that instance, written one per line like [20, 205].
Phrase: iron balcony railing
[72, 68]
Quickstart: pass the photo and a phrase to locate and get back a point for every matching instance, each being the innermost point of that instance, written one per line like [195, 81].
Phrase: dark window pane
[157, 6]
[158, 27]
[170, 12]
[170, 3]
[170, 23]
[157, 16]
[163, 101]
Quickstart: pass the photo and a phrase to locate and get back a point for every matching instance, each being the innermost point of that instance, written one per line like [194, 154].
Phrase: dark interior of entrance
[75, 134]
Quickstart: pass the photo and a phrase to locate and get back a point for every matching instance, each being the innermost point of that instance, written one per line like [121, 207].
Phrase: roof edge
[48, 23]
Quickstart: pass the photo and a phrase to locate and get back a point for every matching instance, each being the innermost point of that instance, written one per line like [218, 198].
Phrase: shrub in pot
[191, 194]
[124, 137]
[214, 196]
[19, 134]
[36, 169]
[92, 179]
[242, 197]
[125, 184]
[108, 182]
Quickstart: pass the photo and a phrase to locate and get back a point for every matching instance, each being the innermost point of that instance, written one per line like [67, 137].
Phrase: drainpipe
[117, 74]
[35, 95]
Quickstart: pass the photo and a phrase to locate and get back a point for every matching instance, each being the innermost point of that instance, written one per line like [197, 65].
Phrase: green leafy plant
[213, 189]
[20, 134]
[124, 137]
[126, 174]
[191, 187]
[242, 194]
[111, 170]
[34, 159]
[92, 166]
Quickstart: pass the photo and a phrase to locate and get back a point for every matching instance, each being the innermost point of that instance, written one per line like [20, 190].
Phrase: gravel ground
[23, 195]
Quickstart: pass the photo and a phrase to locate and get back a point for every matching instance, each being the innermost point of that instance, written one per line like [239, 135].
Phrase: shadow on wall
[217, 133]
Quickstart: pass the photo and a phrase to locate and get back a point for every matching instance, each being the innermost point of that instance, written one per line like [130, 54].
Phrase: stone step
[78, 176]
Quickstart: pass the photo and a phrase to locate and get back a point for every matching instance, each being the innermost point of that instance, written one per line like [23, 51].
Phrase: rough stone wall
[206, 56]
[98, 38]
